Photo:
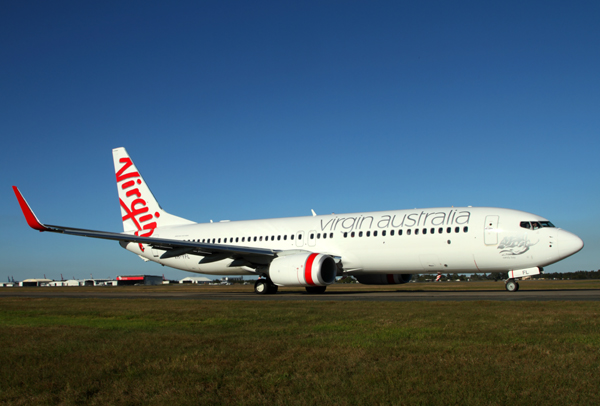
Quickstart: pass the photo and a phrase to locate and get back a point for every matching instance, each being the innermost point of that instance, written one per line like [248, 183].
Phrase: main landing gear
[315, 289]
[265, 287]
[512, 285]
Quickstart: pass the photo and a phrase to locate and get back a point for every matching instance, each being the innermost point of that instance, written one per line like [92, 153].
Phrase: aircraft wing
[172, 248]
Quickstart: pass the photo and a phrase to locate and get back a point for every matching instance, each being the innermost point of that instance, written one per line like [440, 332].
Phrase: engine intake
[304, 269]
[383, 279]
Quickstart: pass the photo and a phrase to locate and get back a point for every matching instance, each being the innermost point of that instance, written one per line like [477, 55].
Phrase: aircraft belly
[437, 257]
[221, 268]
[378, 260]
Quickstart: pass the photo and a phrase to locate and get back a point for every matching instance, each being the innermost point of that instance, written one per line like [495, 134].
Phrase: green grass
[131, 351]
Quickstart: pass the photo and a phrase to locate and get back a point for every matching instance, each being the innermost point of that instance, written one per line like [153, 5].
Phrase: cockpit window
[534, 225]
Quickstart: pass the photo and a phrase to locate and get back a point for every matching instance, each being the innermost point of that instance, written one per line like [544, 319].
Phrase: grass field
[133, 351]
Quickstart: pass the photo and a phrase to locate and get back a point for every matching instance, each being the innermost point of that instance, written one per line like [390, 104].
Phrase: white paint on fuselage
[463, 251]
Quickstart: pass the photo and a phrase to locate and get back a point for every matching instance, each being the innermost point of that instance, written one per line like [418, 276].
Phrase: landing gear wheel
[265, 287]
[511, 285]
[261, 287]
[315, 289]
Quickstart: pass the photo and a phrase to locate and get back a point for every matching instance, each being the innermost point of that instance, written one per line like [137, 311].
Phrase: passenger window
[465, 229]
[319, 236]
[424, 231]
[432, 230]
[360, 233]
[312, 236]
[291, 236]
[374, 233]
[352, 234]
[324, 235]
[408, 231]
[345, 235]
[457, 229]
[399, 233]
[440, 230]
[330, 235]
[392, 233]
[449, 230]
[383, 233]
[368, 233]
[285, 237]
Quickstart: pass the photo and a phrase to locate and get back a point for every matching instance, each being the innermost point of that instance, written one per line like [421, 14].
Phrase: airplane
[376, 248]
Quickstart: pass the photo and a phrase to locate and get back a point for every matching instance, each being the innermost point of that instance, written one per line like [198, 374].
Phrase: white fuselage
[449, 240]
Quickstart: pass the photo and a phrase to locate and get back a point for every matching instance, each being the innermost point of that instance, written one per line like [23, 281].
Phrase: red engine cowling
[304, 269]
[383, 279]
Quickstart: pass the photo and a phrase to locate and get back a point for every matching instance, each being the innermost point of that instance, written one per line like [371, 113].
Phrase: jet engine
[303, 269]
[383, 279]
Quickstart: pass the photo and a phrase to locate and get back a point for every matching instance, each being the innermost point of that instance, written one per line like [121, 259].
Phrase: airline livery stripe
[308, 269]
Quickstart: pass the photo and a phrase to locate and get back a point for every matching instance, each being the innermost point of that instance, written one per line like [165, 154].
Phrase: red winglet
[29, 216]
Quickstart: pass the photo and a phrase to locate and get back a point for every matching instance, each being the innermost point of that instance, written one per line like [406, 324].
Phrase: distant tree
[347, 279]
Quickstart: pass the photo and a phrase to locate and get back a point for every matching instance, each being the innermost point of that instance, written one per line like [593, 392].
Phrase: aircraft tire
[315, 289]
[261, 287]
[511, 285]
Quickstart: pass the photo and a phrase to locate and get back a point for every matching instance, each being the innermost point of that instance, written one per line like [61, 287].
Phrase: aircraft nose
[568, 243]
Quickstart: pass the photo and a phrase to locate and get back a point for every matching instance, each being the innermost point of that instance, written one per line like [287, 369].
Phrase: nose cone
[568, 243]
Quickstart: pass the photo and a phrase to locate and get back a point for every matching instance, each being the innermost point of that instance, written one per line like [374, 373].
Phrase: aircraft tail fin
[140, 210]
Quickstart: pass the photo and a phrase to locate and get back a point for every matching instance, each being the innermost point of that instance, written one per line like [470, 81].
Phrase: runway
[354, 295]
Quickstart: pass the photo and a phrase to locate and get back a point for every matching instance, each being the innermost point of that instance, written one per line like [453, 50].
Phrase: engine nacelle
[304, 269]
[383, 279]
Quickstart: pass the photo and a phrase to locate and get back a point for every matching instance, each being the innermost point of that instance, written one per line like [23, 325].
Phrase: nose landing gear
[512, 285]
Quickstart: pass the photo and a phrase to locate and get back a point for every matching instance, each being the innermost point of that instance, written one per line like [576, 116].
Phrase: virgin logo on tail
[137, 210]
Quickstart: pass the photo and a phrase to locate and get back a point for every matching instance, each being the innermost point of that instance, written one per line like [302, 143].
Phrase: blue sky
[241, 110]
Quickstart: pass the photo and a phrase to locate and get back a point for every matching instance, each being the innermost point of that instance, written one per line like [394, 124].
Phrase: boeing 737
[377, 248]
